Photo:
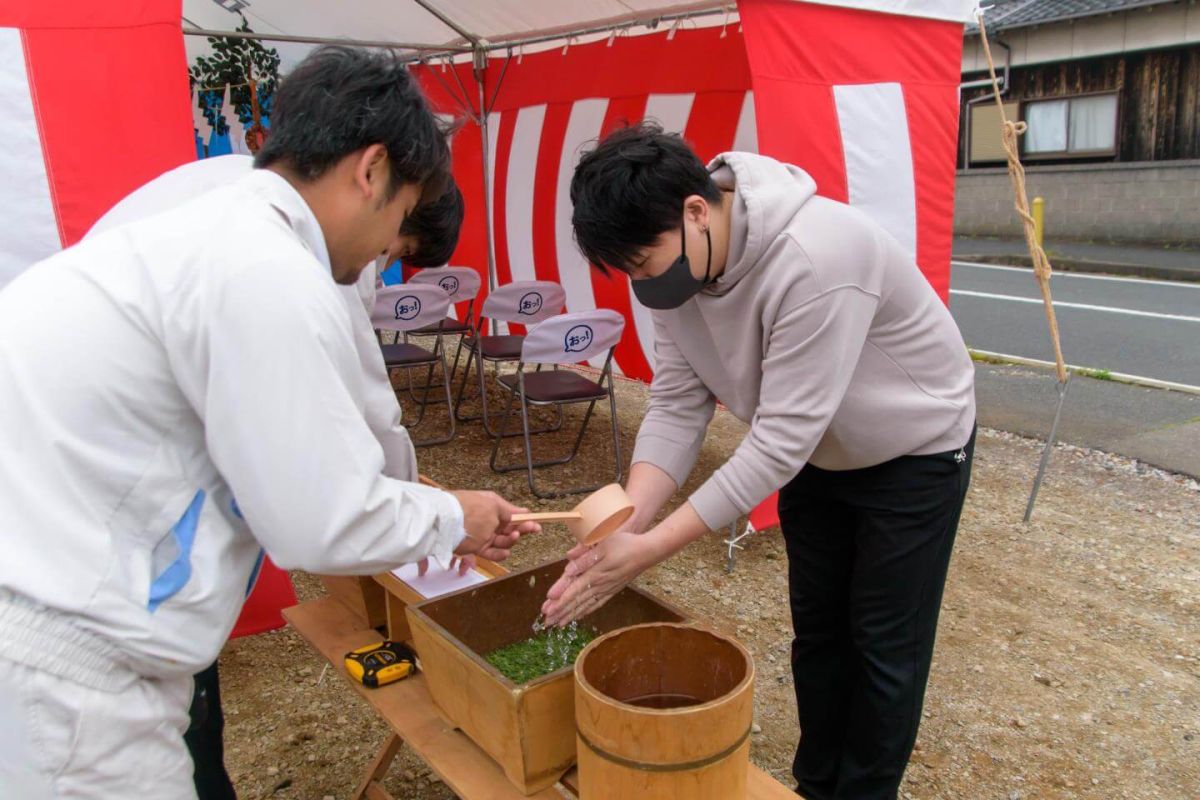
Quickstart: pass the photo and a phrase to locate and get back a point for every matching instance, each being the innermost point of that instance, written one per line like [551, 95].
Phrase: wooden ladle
[598, 515]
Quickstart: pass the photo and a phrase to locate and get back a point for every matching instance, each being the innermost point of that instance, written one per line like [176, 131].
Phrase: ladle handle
[547, 516]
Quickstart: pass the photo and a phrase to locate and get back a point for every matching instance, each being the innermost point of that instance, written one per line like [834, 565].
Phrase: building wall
[1143, 202]
[1159, 98]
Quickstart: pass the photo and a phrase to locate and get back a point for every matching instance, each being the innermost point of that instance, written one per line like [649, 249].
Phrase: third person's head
[645, 204]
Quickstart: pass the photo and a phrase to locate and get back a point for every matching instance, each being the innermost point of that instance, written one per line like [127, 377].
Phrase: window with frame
[1071, 126]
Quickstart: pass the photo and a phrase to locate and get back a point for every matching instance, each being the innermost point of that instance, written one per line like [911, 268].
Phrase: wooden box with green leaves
[529, 727]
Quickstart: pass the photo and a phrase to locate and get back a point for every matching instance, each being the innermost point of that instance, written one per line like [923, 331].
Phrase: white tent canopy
[436, 26]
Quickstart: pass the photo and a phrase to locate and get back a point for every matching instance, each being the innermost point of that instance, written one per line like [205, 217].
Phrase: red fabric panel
[272, 593]
[472, 251]
[504, 140]
[795, 62]
[713, 122]
[933, 114]
[545, 189]
[88, 14]
[612, 291]
[696, 60]
[798, 124]
[466, 150]
[112, 101]
[766, 514]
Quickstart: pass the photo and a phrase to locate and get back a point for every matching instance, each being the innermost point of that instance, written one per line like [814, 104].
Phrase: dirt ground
[1067, 663]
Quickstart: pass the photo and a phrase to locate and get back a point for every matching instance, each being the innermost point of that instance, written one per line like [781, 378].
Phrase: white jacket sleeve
[677, 418]
[279, 388]
[382, 410]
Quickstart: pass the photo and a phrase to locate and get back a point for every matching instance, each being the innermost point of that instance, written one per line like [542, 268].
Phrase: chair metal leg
[425, 402]
[462, 387]
[612, 405]
[496, 440]
[528, 444]
[450, 434]
[448, 375]
[488, 425]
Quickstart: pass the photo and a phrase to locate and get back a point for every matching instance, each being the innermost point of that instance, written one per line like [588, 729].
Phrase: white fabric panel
[170, 189]
[879, 164]
[30, 225]
[526, 302]
[672, 110]
[583, 126]
[409, 306]
[518, 198]
[573, 338]
[745, 138]
[951, 10]
[237, 131]
[199, 121]
[493, 141]
[461, 284]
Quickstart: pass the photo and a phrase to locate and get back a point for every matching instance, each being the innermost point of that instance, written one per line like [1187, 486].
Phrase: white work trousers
[63, 736]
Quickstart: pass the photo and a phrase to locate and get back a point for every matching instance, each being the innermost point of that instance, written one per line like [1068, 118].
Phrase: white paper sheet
[438, 581]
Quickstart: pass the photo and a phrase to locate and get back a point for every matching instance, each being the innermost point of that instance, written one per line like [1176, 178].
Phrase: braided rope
[1016, 173]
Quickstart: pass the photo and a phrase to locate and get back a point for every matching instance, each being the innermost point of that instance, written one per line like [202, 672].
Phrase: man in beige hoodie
[812, 324]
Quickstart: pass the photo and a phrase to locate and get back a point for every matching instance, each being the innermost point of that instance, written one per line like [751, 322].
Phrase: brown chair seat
[498, 348]
[400, 355]
[450, 325]
[556, 385]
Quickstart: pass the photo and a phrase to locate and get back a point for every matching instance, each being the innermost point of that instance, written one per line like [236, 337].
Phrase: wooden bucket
[663, 712]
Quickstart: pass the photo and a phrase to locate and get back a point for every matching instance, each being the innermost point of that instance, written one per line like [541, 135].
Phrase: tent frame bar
[281, 37]
[442, 17]
[648, 20]
[479, 48]
[470, 43]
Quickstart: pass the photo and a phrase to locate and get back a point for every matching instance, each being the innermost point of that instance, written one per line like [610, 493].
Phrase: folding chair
[564, 339]
[462, 284]
[524, 302]
[406, 308]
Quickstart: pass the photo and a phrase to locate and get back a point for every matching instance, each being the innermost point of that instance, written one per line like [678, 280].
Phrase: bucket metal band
[683, 767]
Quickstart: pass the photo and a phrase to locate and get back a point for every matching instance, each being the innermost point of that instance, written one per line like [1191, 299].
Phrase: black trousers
[868, 551]
[205, 739]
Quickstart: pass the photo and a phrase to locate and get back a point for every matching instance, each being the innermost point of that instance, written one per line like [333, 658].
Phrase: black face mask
[677, 285]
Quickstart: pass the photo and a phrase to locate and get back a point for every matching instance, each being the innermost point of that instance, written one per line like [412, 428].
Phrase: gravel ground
[1067, 663]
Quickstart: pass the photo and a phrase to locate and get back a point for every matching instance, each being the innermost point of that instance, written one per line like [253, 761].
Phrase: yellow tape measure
[380, 664]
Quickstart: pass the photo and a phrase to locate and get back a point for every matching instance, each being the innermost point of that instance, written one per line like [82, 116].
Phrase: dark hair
[435, 225]
[630, 189]
[342, 99]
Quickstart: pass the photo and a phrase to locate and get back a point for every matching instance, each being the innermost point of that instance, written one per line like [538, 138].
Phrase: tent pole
[480, 61]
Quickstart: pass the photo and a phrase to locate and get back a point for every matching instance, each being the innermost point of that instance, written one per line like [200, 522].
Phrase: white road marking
[1082, 306]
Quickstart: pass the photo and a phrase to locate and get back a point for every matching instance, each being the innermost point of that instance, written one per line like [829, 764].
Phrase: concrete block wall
[1150, 202]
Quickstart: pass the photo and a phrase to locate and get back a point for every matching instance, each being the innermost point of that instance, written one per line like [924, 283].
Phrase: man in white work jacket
[171, 385]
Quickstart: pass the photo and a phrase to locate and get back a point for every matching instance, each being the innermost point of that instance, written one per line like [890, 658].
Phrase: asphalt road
[1133, 326]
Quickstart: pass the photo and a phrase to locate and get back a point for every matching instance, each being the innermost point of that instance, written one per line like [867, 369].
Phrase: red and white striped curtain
[865, 101]
[93, 103]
